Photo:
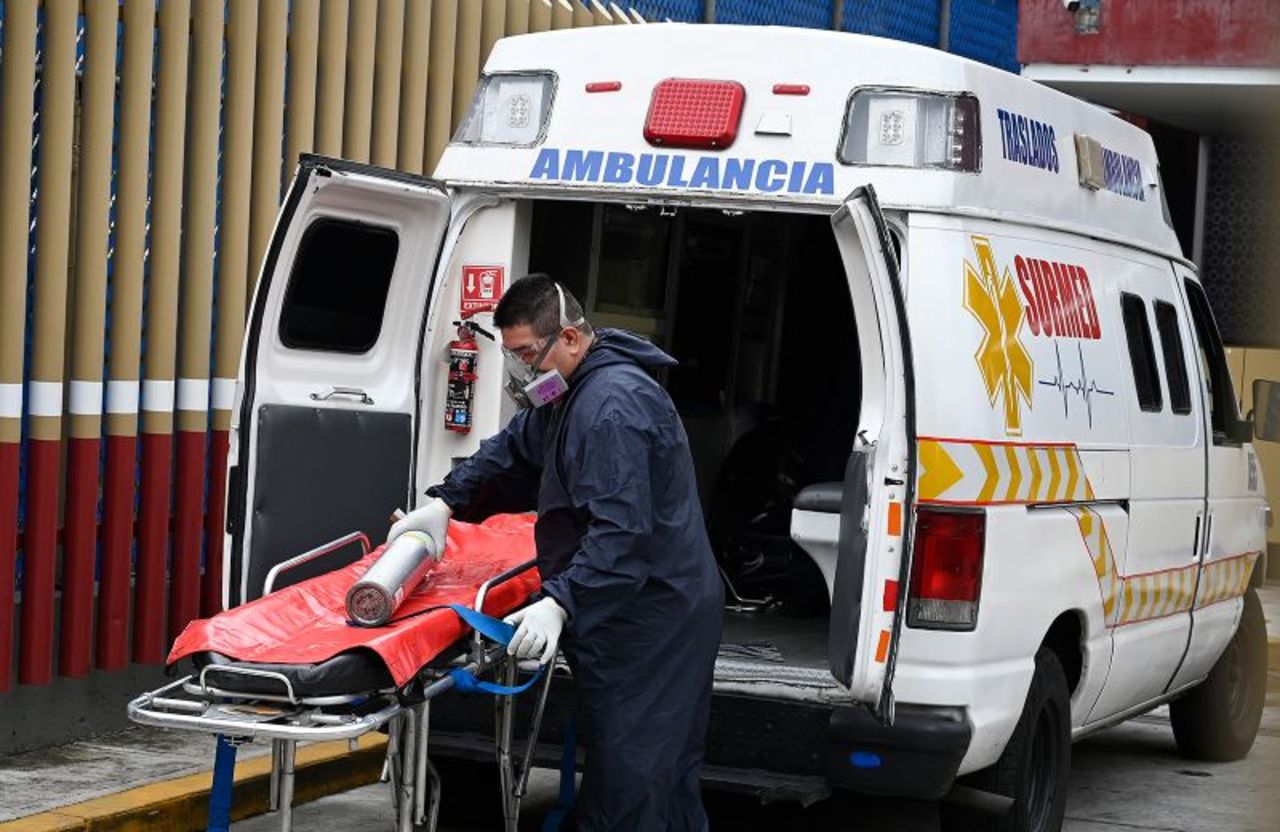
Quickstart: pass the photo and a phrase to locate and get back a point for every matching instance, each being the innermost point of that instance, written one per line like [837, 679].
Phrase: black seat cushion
[348, 673]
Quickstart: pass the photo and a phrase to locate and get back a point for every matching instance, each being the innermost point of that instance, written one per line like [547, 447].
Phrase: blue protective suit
[622, 547]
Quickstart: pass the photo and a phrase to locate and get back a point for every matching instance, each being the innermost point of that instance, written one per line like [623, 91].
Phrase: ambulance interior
[756, 308]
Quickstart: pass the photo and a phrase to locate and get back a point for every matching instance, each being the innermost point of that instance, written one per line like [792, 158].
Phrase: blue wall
[985, 30]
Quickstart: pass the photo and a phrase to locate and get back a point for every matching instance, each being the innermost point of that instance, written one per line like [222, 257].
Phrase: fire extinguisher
[464, 352]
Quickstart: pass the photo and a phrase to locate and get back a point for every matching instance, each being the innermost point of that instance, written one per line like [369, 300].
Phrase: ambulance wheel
[1218, 719]
[1034, 768]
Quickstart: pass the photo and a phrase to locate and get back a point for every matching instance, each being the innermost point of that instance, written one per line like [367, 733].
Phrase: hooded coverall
[622, 547]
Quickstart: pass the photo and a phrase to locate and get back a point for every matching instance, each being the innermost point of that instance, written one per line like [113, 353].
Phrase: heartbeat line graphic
[1083, 386]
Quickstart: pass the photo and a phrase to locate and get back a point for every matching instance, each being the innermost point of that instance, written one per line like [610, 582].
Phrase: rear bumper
[767, 745]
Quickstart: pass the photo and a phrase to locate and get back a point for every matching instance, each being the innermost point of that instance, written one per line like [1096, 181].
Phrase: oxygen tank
[374, 598]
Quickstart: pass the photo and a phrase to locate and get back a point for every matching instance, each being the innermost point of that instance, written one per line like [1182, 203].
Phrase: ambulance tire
[1218, 719]
[1035, 765]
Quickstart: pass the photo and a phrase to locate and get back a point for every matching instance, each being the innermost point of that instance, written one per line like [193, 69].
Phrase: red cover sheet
[307, 623]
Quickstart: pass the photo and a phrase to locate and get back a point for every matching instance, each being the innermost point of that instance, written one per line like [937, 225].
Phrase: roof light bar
[790, 89]
[695, 113]
[604, 86]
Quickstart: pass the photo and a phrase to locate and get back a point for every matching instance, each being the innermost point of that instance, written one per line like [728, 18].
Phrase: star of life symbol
[1005, 365]
[893, 127]
[518, 110]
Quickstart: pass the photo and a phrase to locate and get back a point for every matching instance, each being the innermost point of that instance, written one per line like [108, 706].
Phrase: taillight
[946, 569]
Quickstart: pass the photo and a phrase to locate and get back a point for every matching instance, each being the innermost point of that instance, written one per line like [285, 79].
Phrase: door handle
[329, 392]
[1195, 545]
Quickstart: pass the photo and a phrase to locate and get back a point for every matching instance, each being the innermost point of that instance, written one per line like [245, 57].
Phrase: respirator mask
[526, 385]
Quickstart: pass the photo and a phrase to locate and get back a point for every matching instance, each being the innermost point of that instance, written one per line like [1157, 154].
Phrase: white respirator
[525, 385]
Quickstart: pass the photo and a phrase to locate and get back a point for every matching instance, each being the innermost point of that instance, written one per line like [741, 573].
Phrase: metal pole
[89, 318]
[837, 15]
[233, 277]
[49, 336]
[18, 60]
[300, 108]
[357, 115]
[466, 62]
[161, 326]
[331, 77]
[539, 15]
[413, 87]
[493, 25]
[387, 66]
[944, 26]
[119, 484]
[709, 11]
[444, 27]
[196, 300]
[517, 17]
[268, 124]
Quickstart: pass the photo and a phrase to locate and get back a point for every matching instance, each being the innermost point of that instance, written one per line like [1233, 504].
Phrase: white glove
[431, 518]
[538, 629]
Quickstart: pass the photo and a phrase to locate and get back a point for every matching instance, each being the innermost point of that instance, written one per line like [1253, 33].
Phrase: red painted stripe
[9, 453]
[117, 550]
[188, 516]
[79, 552]
[39, 546]
[211, 585]
[149, 644]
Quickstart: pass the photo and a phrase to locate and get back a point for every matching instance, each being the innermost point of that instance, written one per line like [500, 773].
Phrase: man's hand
[538, 628]
[431, 518]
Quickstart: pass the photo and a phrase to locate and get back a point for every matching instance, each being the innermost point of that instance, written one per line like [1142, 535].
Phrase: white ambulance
[967, 445]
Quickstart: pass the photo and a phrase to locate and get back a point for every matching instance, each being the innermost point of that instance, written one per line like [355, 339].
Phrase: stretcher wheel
[1219, 718]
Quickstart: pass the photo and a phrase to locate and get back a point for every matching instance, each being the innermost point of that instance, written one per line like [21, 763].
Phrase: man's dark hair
[532, 300]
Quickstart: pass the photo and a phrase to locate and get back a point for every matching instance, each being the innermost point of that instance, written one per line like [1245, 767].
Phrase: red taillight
[946, 569]
[604, 86]
[687, 112]
[790, 89]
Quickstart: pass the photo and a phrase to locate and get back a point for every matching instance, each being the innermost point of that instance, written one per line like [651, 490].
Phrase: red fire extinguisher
[464, 352]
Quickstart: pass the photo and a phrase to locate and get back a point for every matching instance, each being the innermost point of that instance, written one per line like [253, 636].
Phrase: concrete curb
[182, 804]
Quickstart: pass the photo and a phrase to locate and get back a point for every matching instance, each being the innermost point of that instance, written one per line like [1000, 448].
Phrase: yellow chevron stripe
[1015, 472]
[939, 471]
[1055, 475]
[988, 458]
[1073, 474]
[1033, 493]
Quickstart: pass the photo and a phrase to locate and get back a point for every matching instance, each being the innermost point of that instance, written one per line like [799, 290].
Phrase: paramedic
[627, 571]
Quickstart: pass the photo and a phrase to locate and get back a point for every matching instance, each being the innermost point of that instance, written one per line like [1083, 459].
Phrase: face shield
[526, 385]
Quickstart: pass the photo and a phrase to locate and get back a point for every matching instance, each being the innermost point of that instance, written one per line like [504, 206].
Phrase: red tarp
[307, 623]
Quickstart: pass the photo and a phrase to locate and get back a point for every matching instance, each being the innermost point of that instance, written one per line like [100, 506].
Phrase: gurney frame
[278, 714]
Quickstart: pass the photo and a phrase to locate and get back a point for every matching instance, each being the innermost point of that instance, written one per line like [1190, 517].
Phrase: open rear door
[323, 428]
[876, 512]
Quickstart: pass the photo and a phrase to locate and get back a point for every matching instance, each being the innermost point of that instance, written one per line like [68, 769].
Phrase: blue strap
[498, 631]
[224, 769]
[568, 766]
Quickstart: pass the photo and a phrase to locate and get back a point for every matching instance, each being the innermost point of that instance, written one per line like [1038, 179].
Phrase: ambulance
[967, 445]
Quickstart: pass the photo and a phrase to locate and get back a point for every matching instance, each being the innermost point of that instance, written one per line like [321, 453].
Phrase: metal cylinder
[374, 598]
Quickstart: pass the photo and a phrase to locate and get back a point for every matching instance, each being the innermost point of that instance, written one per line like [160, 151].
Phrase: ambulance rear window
[1141, 353]
[338, 288]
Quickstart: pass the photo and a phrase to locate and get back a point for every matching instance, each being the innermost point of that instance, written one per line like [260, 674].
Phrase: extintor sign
[481, 289]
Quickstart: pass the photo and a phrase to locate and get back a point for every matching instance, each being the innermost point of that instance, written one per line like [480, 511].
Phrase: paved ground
[1126, 778]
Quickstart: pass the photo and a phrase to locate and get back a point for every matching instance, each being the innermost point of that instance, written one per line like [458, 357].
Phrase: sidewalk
[145, 778]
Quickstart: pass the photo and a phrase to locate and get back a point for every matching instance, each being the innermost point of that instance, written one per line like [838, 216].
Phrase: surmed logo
[667, 170]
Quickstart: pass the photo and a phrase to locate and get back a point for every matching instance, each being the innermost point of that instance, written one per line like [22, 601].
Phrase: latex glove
[538, 628]
[431, 518]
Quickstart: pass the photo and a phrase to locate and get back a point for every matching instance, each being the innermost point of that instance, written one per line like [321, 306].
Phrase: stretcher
[289, 668]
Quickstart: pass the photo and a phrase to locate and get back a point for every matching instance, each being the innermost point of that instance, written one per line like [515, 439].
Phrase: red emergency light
[690, 112]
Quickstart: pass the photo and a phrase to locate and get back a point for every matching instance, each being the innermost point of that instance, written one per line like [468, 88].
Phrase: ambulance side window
[1141, 353]
[1213, 360]
[338, 286]
[1175, 365]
